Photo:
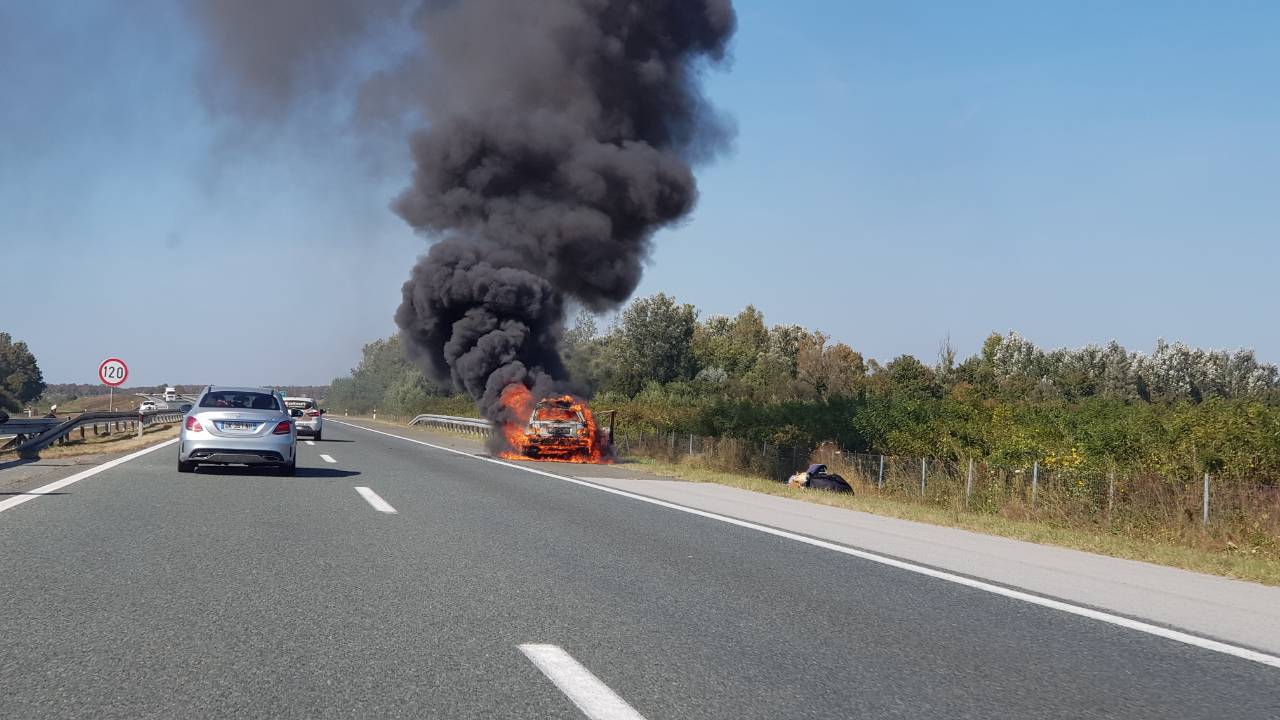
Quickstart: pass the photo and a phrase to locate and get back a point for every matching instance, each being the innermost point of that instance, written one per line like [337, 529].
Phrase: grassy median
[118, 442]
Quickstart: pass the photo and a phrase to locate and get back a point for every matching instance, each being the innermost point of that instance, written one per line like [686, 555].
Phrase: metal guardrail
[36, 434]
[470, 426]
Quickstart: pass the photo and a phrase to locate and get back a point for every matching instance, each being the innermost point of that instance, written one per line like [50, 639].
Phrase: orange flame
[592, 446]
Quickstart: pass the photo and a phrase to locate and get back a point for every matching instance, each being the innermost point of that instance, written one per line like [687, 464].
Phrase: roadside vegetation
[1118, 441]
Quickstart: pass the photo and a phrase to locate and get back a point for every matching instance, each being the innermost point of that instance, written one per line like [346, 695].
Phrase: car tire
[319, 435]
[186, 467]
[289, 470]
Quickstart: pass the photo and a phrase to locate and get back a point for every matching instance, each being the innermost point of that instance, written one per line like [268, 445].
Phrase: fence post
[690, 443]
[968, 485]
[1205, 521]
[924, 473]
[1111, 494]
[880, 482]
[1035, 482]
[673, 443]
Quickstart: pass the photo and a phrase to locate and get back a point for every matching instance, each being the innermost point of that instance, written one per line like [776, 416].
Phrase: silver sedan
[238, 426]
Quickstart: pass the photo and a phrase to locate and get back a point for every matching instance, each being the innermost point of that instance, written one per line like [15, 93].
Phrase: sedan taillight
[313, 413]
[284, 427]
[193, 424]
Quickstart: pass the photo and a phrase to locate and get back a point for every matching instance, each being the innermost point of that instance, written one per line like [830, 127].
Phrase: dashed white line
[378, 503]
[592, 696]
[59, 484]
[328, 459]
[1066, 607]
[311, 443]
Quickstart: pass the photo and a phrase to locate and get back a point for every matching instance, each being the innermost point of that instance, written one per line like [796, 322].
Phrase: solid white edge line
[1118, 620]
[328, 459]
[377, 502]
[59, 484]
[592, 696]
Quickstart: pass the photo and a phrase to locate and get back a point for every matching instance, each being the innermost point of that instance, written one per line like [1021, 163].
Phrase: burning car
[558, 428]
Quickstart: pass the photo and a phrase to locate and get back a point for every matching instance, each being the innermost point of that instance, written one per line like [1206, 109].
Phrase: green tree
[20, 378]
[732, 345]
[653, 343]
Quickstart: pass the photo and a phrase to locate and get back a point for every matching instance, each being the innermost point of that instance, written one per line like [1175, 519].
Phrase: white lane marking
[378, 503]
[1118, 620]
[59, 484]
[328, 459]
[592, 697]
[312, 443]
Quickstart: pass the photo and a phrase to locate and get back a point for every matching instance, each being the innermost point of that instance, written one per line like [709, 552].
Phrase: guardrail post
[880, 480]
[968, 485]
[1111, 494]
[1205, 520]
[924, 473]
[1035, 482]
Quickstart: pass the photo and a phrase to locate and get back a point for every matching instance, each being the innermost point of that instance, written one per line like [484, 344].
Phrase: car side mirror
[184, 408]
[323, 412]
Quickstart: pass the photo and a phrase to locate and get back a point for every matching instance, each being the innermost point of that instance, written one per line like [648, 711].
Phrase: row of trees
[1178, 410]
[20, 378]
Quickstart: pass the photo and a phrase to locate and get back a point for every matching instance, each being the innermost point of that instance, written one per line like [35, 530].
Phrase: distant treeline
[56, 393]
[1177, 410]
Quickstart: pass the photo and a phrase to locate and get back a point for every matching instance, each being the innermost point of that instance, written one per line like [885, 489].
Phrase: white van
[170, 394]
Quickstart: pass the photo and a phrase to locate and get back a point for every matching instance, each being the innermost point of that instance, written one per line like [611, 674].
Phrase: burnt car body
[818, 478]
[557, 428]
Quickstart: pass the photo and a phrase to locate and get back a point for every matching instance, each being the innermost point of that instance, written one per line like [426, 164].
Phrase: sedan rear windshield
[239, 401]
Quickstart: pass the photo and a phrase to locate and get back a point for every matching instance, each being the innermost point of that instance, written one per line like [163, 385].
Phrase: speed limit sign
[113, 372]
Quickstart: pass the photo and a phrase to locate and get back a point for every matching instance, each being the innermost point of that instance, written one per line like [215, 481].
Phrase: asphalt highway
[394, 580]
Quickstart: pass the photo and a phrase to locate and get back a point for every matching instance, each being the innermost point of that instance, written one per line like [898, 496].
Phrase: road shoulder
[1233, 611]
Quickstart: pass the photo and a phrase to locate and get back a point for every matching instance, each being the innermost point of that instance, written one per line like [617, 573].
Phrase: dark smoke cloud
[266, 54]
[560, 140]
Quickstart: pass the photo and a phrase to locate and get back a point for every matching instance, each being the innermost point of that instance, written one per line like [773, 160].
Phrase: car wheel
[319, 436]
[289, 470]
[186, 467]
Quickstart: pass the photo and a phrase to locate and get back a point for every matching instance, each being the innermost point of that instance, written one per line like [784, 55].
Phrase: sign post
[113, 373]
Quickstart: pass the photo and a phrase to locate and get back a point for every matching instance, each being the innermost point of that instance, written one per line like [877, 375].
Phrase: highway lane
[142, 593]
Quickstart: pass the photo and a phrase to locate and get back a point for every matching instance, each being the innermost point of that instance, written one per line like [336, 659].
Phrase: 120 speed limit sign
[113, 372]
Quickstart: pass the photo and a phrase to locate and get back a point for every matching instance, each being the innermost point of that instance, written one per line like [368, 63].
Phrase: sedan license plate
[239, 426]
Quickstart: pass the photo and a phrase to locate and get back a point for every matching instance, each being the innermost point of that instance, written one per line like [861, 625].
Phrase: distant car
[148, 406]
[309, 418]
[238, 426]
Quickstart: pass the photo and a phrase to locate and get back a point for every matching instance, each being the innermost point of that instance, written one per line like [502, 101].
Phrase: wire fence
[1238, 512]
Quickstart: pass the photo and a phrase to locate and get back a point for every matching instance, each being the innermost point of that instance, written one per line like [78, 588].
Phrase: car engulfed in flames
[559, 428]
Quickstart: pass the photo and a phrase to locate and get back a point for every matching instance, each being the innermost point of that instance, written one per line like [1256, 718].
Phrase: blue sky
[903, 172]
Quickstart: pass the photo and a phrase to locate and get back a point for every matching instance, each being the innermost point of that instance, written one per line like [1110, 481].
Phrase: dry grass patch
[1256, 567]
[121, 441]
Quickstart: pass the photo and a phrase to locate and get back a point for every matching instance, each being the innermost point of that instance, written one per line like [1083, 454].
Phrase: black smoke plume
[560, 140]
